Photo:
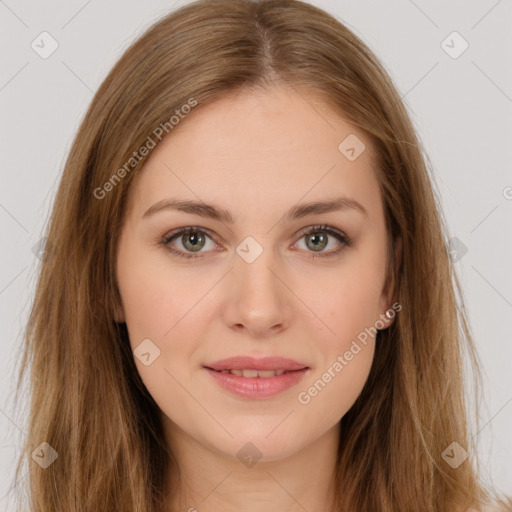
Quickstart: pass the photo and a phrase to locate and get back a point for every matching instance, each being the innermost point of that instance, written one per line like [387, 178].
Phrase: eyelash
[345, 241]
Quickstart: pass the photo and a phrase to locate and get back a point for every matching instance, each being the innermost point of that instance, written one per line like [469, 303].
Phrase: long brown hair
[87, 400]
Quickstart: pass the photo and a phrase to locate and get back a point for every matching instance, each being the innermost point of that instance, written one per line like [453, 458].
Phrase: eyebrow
[296, 212]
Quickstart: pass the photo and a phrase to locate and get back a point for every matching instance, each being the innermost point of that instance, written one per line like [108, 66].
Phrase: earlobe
[394, 281]
[398, 254]
[119, 316]
[389, 314]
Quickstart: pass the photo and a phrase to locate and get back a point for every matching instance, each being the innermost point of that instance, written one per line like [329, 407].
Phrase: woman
[247, 299]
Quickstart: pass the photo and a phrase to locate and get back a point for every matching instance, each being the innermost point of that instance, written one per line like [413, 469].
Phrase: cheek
[159, 304]
[155, 296]
[349, 307]
[347, 304]
[148, 306]
[333, 389]
[345, 355]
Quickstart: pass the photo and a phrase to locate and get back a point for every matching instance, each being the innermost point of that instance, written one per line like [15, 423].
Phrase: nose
[256, 297]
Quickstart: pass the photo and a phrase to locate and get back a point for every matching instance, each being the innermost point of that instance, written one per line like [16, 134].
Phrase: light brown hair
[86, 397]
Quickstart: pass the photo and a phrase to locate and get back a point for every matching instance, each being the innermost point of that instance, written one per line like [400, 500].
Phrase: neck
[213, 481]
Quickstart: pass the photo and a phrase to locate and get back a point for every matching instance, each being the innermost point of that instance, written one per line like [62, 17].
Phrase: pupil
[318, 241]
[193, 239]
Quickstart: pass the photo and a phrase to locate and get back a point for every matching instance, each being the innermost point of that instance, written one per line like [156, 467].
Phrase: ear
[397, 267]
[118, 311]
[390, 293]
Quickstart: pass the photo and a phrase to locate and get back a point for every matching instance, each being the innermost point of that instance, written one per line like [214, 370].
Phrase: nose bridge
[258, 298]
[256, 268]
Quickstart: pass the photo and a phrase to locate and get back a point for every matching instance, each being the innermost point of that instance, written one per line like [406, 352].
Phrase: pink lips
[256, 387]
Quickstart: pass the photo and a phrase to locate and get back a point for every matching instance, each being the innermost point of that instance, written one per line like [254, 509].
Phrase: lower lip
[257, 387]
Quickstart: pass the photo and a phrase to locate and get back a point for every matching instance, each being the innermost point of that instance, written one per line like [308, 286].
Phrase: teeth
[264, 374]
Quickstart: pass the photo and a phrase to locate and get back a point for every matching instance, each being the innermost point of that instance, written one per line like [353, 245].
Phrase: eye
[193, 239]
[318, 238]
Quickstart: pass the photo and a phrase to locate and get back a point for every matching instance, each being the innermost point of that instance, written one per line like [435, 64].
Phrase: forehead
[257, 147]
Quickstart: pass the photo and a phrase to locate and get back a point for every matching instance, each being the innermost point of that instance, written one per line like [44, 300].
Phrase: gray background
[462, 108]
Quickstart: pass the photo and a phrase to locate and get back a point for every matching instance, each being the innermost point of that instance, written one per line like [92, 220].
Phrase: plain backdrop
[460, 102]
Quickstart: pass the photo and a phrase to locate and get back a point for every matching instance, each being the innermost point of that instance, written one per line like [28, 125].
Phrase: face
[263, 278]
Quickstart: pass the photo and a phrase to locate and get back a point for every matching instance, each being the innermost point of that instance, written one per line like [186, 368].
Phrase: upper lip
[251, 363]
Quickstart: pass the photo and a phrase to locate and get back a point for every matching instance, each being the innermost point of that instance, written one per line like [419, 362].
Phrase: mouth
[256, 378]
[264, 364]
[252, 373]
[254, 384]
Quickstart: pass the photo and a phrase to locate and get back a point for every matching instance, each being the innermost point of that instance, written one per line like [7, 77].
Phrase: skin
[255, 154]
